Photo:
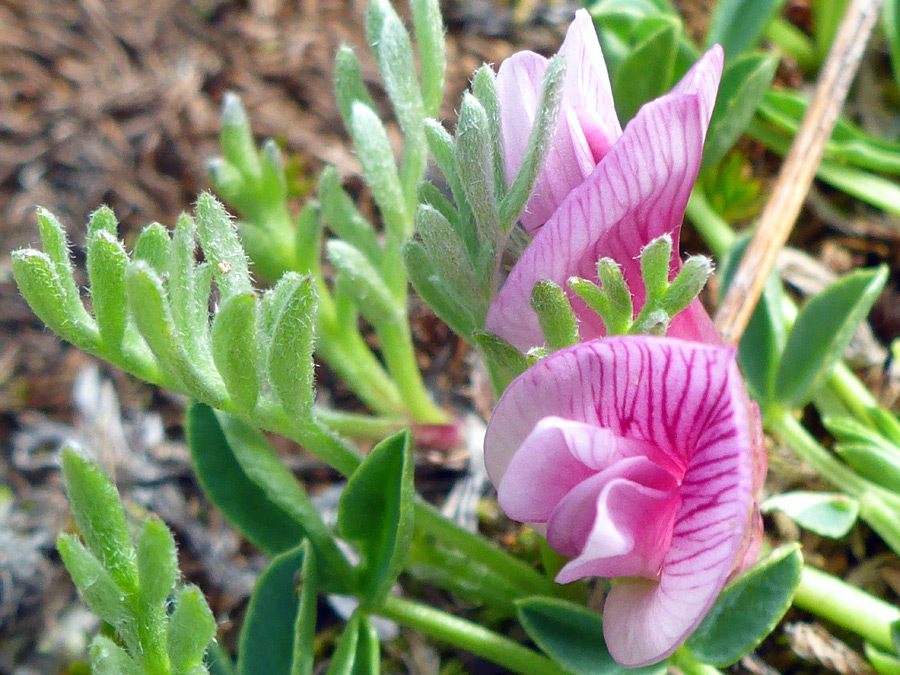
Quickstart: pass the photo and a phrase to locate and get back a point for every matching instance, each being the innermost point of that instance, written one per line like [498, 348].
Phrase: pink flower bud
[641, 459]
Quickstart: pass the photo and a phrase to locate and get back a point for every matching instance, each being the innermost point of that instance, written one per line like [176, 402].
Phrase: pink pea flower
[635, 191]
[641, 458]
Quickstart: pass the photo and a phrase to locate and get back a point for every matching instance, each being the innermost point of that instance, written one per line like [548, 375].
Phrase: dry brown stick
[799, 168]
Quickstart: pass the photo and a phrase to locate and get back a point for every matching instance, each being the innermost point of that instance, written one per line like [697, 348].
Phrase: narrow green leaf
[739, 25]
[100, 518]
[376, 514]
[448, 253]
[484, 87]
[108, 658]
[555, 314]
[39, 284]
[305, 623]
[434, 291]
[268, 635]
[192, 627]
[245, 505]
[538, 143]
[635, 83]
[888, 423]
[308, 239]
[157, 562]
[103, 219]
[189, 318]
[237, 139]
[572, 636]
[368, 649]
[101, 592]
[344, 658]
[822, 331]
[349, 86]
[877, 463]
[363, 283]
[474, 165]
[827, 514]
[396, 61]
[152, 247]
[222, 246]
[430, 42]
[443, 149]
[890, 20]
[106, 265]
[262, 465]
[744, 83]
[748, 609]
[380, 168]
[504, 362]
[827, 18]
[228, 182]
[882, 662]
[429, 194]
[343, 219]
[56, 248]
[235, 348]
[274, 182]
[290, 365]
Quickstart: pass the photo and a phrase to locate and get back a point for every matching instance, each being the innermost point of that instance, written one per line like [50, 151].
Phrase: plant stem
[685, 661]
[358, 425]
[846, 606]
[717, 234]
[487, 644]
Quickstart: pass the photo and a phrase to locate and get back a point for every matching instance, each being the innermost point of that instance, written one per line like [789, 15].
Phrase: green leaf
[891, 22]
[269, 636]
[290, 365]
[822, 331]
[106, 265]
[103, 219]
[100, 518]
[222, 246]
[344, 658]
[504, 362]
[748, 609]
[368, 649]
[237, 139]
[551, 304]
[761, 345]
[263, 466]
[363, 283]
[192, 627]
[877, 462]
[448, 254]
[108, 658]
[274, 182]
[474, 165]
[349, 86]
[376, 514]
[42, 289]
[235, 348]
[244, 504]
[191, 318]
[827, 514]
[157, 562]
[572, 636]
[882, 662]
[538, 143]
[443, 149]
[56, 248]
[343, 219]
[152, 247]
[431, 44]
[745, 81]
[739, 25]
[433, 290]
[101, 592]
[635, 83]
[380, 168]
[484, 87]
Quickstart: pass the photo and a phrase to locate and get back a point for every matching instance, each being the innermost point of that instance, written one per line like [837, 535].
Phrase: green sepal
[244, 504]
[192, 627]
[152, 247]
[290, 365]
[748, 609]
[235, 348]
[100, 518]
[538, 144]
[558, 322]
[106, 265]
[823, 329]
[108, 658]
[222, 246]
[375, 514]
[504, 362]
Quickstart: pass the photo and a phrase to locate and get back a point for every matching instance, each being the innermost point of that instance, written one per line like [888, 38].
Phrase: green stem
[846, 606]
[717, 234]
[685, 661]
[482, 642]
[356, 425]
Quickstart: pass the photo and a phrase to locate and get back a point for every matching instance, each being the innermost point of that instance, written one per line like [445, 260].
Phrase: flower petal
[637, 192]
[689, 401]
[518, 92]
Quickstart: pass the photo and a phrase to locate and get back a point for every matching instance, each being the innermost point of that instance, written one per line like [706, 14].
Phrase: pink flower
[637, 191]
[641, 458]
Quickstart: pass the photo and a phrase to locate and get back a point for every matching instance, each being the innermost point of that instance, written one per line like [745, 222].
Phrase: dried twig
[798, 171]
